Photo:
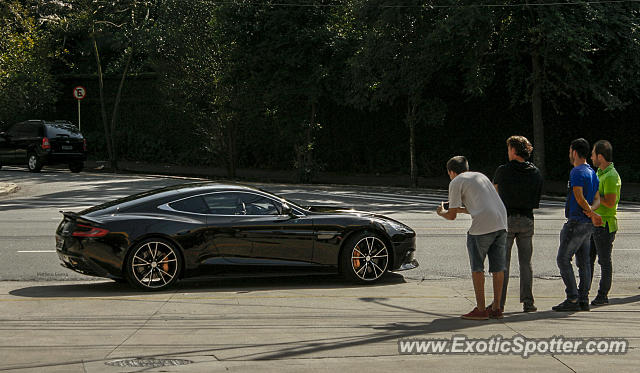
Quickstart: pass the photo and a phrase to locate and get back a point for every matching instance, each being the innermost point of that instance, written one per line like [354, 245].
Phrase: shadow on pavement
[242, 285]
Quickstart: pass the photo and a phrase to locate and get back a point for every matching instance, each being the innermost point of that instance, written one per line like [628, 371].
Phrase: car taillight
[82, 230]
[84, 144]
[45, 143]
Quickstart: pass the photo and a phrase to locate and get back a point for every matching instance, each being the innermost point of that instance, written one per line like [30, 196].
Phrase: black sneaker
[566, 306]
[529, 307]
[584, 306]
[600, 301]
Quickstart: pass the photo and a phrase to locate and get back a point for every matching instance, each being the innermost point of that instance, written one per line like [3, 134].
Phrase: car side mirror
[286, 210]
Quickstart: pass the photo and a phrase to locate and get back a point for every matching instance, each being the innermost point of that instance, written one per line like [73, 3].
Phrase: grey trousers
[521, 231]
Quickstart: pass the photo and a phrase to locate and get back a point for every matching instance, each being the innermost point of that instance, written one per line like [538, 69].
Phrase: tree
[397, 61]
[26, 84]
[190, 62]
[551, 56]
[124, 23]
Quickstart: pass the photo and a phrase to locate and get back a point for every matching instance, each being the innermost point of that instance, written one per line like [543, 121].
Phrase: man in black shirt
[519, 184]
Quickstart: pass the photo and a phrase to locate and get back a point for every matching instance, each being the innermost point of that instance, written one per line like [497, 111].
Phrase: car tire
[76, 167]
[34, 163]
[365, 258]
[153, 265]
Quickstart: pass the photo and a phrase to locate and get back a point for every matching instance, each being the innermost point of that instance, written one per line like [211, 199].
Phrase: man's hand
[595, 218]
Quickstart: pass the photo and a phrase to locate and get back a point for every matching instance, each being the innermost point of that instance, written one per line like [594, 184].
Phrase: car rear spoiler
[75, 216]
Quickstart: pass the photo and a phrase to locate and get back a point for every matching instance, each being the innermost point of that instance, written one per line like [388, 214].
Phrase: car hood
[337, 210]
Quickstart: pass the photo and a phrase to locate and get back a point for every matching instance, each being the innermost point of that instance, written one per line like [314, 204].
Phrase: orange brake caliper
[356, 262]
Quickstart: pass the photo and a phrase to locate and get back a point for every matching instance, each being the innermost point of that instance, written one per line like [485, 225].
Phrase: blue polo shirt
[582, 176]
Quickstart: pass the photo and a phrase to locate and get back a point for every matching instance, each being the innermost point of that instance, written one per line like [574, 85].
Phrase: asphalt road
[29, 217]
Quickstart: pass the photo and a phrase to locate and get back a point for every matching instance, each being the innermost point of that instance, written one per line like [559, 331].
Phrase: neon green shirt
[610, 183]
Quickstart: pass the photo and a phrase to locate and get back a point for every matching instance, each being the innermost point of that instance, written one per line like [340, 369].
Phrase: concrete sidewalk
[291, 324]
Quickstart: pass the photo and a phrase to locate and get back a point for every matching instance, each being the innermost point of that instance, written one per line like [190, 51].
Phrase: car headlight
[399, 227]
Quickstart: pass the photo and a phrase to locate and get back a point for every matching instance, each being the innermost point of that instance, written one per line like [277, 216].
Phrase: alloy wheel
[154, 265]
[369, 258]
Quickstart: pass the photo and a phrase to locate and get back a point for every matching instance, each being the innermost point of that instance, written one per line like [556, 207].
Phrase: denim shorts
[492, 245]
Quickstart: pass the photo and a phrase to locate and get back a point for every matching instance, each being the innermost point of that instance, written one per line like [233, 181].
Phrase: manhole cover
[147, 363]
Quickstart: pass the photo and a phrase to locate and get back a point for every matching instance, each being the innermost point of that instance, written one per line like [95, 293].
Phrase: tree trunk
[411, 111]
[114, 115]
[103, 111]
[308, 146]
[536, 106]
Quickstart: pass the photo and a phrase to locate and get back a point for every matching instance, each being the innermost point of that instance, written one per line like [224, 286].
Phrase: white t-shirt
[475, 191]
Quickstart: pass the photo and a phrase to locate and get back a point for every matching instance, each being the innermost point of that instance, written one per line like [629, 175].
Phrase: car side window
[256, 204]
[194, 204]
[225, 204]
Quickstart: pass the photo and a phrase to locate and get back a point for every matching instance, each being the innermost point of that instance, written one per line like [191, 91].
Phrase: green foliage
[26, 84]
[330, 85]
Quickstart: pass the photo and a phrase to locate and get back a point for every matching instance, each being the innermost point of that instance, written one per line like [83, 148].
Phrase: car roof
[168, 193]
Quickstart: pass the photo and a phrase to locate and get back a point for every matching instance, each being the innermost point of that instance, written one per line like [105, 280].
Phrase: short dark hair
[603, 147]
[521, 145]
[581, 146]
[458, 164]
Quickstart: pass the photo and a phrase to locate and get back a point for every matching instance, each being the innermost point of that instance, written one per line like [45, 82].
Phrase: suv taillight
[84, 144]
[45, 143]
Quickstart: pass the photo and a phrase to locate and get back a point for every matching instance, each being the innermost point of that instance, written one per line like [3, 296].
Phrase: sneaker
[529, 307]
[495, 314]
[566, 306]
[476, 314]
[584, 306]
[600, 301]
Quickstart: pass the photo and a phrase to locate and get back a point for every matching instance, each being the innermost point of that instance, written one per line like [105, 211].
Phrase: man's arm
[452, 213]
[609, 200]
[582, 202]
[590, 212]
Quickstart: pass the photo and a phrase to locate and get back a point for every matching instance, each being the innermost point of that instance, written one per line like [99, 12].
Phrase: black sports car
[154, 238]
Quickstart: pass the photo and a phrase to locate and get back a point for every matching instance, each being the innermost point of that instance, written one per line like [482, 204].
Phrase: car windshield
[62, 129]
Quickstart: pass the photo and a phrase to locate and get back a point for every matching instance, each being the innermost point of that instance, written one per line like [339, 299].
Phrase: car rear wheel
[154, 264]
[76, 167]
[365, 258]
[34, 163]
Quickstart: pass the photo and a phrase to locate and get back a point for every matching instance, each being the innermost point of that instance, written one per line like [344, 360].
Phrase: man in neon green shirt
[604, 235]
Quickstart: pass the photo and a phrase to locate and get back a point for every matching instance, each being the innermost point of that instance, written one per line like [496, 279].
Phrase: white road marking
[36, 251]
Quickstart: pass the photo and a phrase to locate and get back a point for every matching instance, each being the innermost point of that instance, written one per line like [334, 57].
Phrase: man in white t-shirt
[473, 193]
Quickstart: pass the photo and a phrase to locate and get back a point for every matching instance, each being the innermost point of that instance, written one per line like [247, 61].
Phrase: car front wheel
[153, 265]
[34, 163]
[365, 258]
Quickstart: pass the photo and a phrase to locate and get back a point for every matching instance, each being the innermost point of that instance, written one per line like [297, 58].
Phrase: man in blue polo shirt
[575, 237]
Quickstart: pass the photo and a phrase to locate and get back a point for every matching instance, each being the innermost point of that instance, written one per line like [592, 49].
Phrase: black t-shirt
[519, 187]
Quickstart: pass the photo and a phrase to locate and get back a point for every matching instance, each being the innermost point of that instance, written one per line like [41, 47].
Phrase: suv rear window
[62, 129]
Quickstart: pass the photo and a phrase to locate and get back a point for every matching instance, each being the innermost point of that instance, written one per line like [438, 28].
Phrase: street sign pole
[79, 128]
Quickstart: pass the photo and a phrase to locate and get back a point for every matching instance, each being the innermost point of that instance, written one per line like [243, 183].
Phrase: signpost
[79, 93]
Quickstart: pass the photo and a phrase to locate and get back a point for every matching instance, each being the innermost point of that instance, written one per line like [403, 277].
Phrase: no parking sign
[79, 93]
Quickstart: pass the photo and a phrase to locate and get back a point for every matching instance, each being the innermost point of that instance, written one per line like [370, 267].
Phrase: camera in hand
[445, 205]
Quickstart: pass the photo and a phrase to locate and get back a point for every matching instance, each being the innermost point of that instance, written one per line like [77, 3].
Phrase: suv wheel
[76, 167]
[34, 163]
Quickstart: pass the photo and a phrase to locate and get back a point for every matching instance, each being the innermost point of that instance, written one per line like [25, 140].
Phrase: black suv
[39, 142]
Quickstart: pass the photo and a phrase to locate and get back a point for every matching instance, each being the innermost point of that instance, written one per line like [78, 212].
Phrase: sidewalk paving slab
[291, 324]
